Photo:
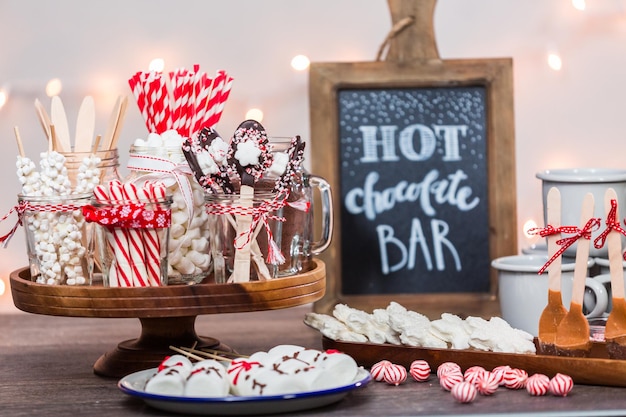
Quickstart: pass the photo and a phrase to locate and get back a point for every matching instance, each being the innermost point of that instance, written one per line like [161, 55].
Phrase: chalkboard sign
[413, 190]
[420, 157]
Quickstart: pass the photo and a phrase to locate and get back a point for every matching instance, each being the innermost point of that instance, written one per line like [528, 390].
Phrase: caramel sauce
[616, 323]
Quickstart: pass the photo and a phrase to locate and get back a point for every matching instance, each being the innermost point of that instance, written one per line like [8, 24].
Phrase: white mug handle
[602, 298]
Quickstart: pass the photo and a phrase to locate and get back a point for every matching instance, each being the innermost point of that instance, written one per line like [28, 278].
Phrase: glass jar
[59, 242]
[189, 259]
[108, 165]
[296, 236]
[133, 249]
[240, 229]
[109, 170]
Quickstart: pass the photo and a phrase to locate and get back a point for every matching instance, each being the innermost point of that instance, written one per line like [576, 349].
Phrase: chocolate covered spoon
[209, 172]
[249, 156]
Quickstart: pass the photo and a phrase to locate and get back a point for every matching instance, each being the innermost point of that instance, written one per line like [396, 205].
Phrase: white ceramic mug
[523, 294]
[605, 280]
[573, 184]
[603, 265]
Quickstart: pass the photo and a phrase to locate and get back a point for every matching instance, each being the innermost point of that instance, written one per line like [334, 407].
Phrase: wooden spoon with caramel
[572, 334]
[615, 332]
[554, 312]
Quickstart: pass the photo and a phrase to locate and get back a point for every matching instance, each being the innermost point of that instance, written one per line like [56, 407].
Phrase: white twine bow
[163, 169]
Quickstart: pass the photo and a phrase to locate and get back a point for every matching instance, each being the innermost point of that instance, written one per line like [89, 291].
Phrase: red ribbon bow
[19, 209]
[611, 224]
[584, 233]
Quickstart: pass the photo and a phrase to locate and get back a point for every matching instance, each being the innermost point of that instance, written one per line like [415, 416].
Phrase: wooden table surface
[46, 370]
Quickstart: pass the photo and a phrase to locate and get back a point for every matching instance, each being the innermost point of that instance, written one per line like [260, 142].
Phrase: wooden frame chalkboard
[383, 131]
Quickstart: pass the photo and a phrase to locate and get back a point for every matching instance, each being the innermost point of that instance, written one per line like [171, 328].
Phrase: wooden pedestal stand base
[148, 351]
[167, 314]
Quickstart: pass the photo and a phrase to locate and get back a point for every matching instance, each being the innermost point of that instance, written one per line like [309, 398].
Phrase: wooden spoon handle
[614, 242]
[59, 119]
[582, 253]
[85, 125]
[554, 220]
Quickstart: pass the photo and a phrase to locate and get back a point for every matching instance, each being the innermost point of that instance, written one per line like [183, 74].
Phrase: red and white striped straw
[219, 107]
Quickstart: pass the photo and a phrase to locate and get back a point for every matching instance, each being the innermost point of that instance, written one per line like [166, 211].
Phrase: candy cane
[128, 193]
[118, 276]
[151, 242]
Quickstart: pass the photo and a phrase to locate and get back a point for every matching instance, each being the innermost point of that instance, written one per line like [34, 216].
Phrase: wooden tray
[598, 369]
[167, 314]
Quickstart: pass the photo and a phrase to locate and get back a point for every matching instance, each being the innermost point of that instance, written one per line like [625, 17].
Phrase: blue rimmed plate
[134, 384]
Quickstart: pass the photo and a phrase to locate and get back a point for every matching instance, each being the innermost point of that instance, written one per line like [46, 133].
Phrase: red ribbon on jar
[130, 216]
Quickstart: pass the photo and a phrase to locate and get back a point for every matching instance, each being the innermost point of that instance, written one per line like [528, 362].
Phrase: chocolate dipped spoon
[205, 153]
[249, 156]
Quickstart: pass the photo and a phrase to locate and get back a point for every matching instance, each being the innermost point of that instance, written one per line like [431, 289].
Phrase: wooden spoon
[572, 335]
[116, 121]
[85, 125]
[44, 118]
[59, 119]
[615, 331]
[554, 312]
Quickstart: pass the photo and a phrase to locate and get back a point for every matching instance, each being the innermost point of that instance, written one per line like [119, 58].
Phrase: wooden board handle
[416, 40]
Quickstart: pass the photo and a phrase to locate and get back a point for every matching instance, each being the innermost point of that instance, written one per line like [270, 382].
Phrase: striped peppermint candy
[537, 384]
[487, 383]
[561, 385]
[448, 380]
[464, 392]
[395, 374]
[499, 371]
[378, 370]
[420, 370]
[473, 373]
[447, 367]
[515, 378]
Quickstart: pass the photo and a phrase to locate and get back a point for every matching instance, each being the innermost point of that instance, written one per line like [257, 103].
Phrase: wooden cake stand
[167, 314]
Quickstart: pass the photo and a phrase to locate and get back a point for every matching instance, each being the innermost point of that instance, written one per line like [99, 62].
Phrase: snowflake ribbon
[584, 233]
[611, 224]
[130, 216]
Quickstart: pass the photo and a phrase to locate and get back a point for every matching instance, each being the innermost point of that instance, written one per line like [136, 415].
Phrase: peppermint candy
[515, 378]
[448, 380]
[378, 370]
[487, 383]
[561, 385]
[420, 370]
[395, 374]
[473, 373]
[537, 384]
[499, 372]
[447, 367]
[464, 392]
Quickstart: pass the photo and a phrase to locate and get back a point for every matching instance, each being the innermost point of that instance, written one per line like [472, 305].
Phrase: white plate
[134, 384]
